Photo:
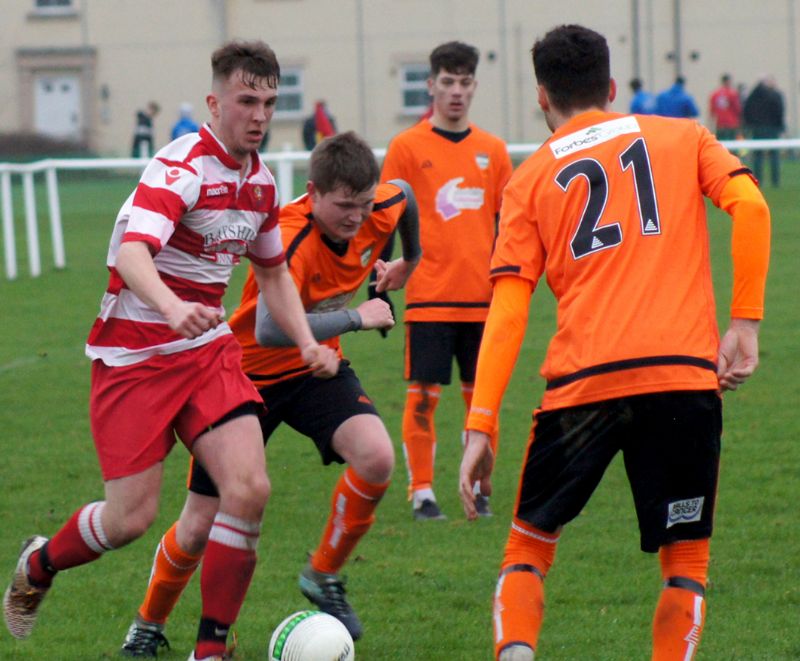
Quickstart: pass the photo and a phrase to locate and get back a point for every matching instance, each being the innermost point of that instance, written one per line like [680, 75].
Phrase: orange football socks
[172, 569]
[352, 513]
[519, 596]
[419, 434]
[680, 614]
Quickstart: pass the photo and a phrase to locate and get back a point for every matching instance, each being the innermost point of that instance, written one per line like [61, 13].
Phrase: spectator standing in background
[764, 120]
[143, 142]
[320, 124]
[675, 101]
[185, 123]
[725, 109]
[643, 102]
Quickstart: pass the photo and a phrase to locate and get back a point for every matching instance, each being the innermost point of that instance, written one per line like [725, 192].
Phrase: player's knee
[377, 462]
[131, 526]
[379, 465]
[246, 496]
[193, 532]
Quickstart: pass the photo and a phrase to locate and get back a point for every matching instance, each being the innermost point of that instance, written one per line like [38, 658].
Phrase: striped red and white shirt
[199, 213]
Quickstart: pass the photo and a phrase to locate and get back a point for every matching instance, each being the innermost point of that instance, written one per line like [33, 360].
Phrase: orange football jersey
[325, 279]
[458, 185]
[611, 208]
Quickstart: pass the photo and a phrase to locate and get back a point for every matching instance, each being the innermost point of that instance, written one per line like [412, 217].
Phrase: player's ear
[213, 105]
[612, 90]
[310, 188]
[543, 98]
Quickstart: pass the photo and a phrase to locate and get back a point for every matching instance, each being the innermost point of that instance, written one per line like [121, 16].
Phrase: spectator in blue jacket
[185, 123]
[643, 102]
[676, 101]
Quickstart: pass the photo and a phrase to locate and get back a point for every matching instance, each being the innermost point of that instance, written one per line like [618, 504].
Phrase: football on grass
[311, 636]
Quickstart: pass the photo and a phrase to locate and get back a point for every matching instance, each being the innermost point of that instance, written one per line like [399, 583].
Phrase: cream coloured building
[81, 68]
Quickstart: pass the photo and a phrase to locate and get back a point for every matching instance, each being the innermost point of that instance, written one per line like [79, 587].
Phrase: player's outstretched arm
[738, 353]
[374, 313]
[502, 339]
[283, 303]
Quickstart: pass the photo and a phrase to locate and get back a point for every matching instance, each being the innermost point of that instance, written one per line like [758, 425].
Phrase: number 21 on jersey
[588, 237]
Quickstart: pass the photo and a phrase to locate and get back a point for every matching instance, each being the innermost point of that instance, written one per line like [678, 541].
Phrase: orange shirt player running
[312, 262]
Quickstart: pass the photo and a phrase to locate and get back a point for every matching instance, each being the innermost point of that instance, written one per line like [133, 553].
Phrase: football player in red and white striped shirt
[164, 360]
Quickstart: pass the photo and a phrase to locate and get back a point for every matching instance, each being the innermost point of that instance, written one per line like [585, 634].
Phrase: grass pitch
[423, 590]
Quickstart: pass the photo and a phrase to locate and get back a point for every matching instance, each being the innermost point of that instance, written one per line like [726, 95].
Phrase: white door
[57, 105]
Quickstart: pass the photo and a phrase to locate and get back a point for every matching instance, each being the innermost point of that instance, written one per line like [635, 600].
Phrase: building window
[290, 93]
[414, 88]
[54, 5]
[45, 8]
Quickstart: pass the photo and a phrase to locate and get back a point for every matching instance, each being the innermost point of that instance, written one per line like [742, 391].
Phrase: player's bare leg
[126, 513]
[233, 455]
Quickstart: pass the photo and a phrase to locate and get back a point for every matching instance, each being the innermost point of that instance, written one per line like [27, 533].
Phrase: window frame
[288, 90]
[407, 85]
[63, 7]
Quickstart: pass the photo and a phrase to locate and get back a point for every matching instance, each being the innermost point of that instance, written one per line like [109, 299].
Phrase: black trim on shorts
[302, 234]
[736, 173]
[446, 304]
[248, 408]
[632, 363]
[389, 202]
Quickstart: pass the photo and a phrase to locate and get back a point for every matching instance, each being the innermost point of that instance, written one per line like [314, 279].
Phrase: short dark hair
[455, 57]
[343, 160]
[572, 63]
[256, 60]
[636, 84]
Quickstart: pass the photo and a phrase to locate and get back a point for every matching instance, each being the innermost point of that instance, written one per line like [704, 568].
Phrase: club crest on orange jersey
[366, 255]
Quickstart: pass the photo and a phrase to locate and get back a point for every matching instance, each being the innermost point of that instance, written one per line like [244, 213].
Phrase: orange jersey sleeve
[611, 210]
[327, 277]
[458, 181]
[502, 339]
[749, 245]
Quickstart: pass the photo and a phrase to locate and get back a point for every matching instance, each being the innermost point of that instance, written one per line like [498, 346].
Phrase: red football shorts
[137, 410]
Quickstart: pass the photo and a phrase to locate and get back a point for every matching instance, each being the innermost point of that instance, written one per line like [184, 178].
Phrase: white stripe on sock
[234, 532]
[528, 533]
[91, 527]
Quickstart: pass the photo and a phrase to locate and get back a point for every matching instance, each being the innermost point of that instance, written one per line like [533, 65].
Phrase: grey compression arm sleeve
[408, 224]
[323, 325]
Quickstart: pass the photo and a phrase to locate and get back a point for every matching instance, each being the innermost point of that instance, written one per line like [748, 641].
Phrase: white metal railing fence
[283, 164]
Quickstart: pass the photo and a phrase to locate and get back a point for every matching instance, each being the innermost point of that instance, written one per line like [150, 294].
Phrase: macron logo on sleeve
[172, 175]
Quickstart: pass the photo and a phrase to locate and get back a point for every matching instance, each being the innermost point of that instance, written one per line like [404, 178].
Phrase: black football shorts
[670, 443]
[312, 406]
[432, 345]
